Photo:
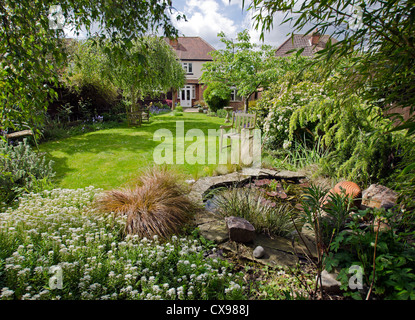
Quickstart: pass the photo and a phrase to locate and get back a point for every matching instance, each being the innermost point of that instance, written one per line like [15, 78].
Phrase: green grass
[111, 157]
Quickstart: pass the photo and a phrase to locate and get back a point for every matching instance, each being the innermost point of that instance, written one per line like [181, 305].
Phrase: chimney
[174, 43]
[315, 37]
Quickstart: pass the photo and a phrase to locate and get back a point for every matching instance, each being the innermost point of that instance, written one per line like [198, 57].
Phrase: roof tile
[298, 41]
[191, 48]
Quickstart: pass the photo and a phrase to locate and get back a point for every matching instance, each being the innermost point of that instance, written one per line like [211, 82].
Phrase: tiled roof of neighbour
[298, 41]
[191, 48]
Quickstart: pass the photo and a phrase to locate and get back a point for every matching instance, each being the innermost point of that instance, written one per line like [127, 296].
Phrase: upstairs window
[188, 67]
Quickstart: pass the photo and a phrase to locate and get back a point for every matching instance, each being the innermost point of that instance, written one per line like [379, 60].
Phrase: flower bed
[61, 230]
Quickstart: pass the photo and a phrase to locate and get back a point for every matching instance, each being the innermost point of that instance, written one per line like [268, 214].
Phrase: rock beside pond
[258, 252]
[240, 230]
[215, 230]
[308, 230]
[378, 196]
[278, 251]
[329, 282]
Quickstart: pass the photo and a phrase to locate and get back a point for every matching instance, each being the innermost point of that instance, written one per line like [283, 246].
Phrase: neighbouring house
[192, 52]
[311, 43]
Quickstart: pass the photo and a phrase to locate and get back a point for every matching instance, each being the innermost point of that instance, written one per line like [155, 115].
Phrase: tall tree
[32, 51]
[242, 64]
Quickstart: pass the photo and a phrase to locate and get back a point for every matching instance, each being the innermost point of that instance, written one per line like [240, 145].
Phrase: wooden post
[135, 111]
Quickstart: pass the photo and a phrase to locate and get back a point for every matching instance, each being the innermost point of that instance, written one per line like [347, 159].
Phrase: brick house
[311, 43]
[192, 52]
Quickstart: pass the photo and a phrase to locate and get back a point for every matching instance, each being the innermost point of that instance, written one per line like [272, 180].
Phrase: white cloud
[275, 37]
[279, 32]
[205, 19]
[234, 3]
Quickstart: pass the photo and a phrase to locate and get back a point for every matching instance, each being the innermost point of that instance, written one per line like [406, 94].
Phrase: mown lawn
[112, 157]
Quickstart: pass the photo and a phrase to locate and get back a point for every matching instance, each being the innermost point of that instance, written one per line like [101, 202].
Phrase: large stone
[305, 241]
[203, 185]
[204, 216]
[258, 252]
[215, 231]
[378, 196]
[196, 197]
[277, 251]
[240, 230]
[286, 174]
[276, 242]
[329, 282]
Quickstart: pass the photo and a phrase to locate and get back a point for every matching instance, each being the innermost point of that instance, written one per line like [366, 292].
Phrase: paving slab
[272, 257]
[215, 231]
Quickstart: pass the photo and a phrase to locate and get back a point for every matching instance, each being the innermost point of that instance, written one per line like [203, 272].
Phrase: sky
[206, 18]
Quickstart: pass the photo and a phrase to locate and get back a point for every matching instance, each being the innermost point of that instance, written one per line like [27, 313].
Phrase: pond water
[273, 192]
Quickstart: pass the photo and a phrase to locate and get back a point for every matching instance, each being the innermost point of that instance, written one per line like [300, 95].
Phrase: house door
[186, 95]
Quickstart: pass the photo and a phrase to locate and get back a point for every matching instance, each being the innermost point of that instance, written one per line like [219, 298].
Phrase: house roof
[191, 48]
[298, 41]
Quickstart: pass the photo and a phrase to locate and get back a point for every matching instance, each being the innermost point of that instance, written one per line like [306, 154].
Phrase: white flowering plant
[62, 229]
[282, 101]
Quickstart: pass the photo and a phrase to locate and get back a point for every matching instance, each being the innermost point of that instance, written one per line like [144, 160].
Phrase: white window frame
[192, 88]
[188, 67]
[234, 95]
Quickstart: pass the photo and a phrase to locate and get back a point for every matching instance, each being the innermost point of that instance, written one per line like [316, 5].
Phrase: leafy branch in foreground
[377, 34]
[32, 53]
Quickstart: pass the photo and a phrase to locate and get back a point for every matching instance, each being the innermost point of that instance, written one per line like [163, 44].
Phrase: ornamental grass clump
[251, 204]
[156, 204]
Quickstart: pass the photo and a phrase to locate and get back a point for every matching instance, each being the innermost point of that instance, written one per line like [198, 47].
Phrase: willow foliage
[360, 147]
[149, 67]
[146, 68]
